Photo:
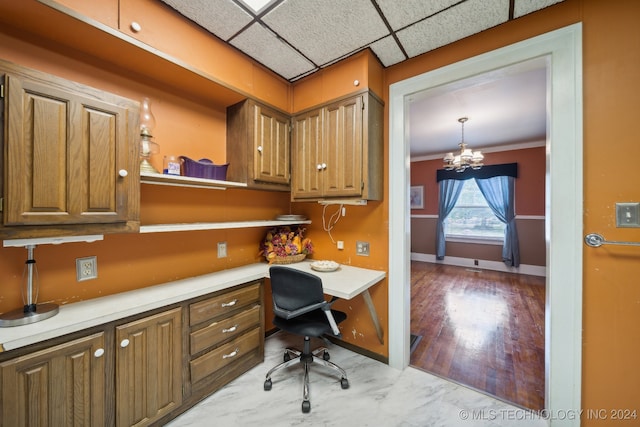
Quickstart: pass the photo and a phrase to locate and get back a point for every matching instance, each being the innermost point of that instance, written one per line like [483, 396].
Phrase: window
[472, 218]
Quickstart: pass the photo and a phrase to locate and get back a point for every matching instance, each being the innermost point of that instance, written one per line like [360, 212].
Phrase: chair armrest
[287, 314]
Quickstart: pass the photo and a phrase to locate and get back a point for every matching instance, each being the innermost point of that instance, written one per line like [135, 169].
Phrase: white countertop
[346, 282]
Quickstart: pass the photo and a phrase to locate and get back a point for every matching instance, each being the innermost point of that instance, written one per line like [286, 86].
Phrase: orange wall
[611, 295]
[529, 184]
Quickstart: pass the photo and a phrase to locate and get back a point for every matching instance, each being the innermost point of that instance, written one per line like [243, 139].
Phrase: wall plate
[86, 268]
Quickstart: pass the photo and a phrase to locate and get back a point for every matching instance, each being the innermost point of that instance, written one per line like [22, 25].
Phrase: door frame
[563, 204]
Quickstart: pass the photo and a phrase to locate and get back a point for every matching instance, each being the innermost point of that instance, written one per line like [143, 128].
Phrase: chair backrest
[294, 289]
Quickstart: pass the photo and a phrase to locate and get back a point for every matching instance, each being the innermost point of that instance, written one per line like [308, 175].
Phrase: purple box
[203, 168]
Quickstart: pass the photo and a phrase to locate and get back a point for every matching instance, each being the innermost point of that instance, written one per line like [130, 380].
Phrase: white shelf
[167, 228]
[186, 181]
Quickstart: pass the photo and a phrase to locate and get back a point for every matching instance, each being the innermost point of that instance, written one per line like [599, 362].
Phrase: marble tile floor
[378, 396]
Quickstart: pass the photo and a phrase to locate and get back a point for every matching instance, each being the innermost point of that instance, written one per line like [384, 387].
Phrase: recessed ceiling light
[257, 5]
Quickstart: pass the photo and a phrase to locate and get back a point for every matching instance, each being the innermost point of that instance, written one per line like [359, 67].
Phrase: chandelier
[466, 158]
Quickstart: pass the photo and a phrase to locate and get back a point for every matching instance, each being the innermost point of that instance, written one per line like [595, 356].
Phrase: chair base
[307, 357]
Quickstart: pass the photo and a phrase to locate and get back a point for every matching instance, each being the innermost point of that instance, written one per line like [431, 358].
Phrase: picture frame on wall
[416, 197]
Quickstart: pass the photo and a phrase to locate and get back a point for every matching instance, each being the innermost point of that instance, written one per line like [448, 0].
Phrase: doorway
[564, 205]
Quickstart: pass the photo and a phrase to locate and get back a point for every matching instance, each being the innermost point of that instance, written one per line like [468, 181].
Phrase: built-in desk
[347, 282]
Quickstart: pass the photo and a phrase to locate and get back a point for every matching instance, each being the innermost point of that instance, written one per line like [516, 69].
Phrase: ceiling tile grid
[264, 46]
[295, 38]
[222, 18]
[401, 14]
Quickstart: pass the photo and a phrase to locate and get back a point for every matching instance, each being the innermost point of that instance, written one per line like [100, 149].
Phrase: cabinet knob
[324, 166]
[234, 353]
[123, 173]
[260, 148]
[135, 27]
[99, 352]
[124, 343]
[319, 166]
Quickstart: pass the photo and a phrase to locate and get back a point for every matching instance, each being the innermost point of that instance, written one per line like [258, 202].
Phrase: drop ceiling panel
[261, 44]
[324, 30]
[388, 51]
[406, 12]
[453, 24]
[222, 18]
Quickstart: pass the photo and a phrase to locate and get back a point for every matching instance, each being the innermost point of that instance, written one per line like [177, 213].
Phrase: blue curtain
[449, 190]
[500, 194]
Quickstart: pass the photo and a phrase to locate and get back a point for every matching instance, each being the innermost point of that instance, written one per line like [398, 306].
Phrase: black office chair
[300, 308]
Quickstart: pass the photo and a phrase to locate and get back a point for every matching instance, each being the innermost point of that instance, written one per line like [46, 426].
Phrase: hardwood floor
[481, 328]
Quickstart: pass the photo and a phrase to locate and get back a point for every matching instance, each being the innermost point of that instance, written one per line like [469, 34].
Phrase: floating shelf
[186, 181]
[167, 228]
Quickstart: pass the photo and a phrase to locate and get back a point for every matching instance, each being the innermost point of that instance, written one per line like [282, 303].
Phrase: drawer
[224, 329]
[224, 355]
[225, 303]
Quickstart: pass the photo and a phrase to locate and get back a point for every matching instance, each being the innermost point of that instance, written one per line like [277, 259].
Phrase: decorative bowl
[203, 168]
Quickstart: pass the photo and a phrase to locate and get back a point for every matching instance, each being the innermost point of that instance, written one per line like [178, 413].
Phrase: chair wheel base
[306, 406]
[344, 383]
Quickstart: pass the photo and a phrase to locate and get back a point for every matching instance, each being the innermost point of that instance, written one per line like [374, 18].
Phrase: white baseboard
[533, 270]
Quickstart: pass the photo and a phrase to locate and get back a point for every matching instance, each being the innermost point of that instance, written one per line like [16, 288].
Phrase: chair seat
[312, 324]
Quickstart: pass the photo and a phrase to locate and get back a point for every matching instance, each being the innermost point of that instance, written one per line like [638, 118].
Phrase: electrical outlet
[222, 249]
[86, 268]
[362, 248]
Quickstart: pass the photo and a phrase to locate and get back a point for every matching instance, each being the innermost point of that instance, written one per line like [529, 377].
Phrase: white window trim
[458, 238]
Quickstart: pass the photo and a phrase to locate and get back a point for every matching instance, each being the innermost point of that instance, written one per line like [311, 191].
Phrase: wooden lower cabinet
[59, 386]
[148, 368]
[139, 371]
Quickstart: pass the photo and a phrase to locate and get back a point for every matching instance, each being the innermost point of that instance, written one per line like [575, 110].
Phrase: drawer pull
[231, 329]
[99, 352]
[124, 343]
[230, 303]
[135, 27]
[234, 353]
[123, 173]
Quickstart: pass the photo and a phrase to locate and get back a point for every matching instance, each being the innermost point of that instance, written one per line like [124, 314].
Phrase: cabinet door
[65, 153]
[271, 146]
[148, 368]
[342, 152]
[60, 386]
[307, 161]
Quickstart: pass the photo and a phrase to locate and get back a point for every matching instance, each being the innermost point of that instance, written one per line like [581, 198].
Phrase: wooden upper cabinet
[71, 158]
[337, 151]
[307, 155]
[258, 146]
[60, 386]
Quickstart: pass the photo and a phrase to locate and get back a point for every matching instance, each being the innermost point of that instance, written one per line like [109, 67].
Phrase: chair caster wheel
[287, 357]
[326, 356]
[267, 384]
[306, 406]
[344, 383]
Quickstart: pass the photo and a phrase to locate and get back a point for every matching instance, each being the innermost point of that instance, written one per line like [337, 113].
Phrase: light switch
[628, 214]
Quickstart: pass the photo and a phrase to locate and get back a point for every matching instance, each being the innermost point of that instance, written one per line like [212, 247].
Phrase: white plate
[291, 218]
[325, 266]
